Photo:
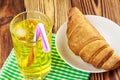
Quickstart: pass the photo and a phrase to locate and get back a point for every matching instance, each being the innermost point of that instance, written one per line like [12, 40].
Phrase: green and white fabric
[59, 69]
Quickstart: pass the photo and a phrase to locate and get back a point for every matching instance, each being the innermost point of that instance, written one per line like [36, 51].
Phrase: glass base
[39, 78]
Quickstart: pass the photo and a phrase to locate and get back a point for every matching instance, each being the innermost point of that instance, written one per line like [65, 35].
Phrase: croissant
[85, 41]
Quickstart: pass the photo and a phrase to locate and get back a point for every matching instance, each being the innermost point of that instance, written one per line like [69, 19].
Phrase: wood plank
[56, 9]
[105, 8]
[8, 9]
[61, 11]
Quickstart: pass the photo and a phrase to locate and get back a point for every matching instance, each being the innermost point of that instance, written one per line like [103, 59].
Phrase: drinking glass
[32, 61]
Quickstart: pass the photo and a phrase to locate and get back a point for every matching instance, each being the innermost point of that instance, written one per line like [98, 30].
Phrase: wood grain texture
[8, 9]
[106, 8]
[57, 11]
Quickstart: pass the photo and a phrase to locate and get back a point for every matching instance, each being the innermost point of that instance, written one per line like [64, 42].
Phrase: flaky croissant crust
[85, 41]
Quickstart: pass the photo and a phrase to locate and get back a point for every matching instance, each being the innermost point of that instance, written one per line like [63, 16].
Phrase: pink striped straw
[40, 31]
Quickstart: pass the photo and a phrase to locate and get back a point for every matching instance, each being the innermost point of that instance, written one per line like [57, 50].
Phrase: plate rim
[87, 63]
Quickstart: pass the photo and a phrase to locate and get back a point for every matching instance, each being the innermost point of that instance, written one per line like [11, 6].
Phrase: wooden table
[57, 10]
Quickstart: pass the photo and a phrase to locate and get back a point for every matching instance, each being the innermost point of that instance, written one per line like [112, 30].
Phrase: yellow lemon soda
[31, 58]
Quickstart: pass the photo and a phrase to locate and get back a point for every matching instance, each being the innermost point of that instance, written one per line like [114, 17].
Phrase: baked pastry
[85, 41]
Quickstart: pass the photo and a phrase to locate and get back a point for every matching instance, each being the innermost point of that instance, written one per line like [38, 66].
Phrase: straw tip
[40, 24]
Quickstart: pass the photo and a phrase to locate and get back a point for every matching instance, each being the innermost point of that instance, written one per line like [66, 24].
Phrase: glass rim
[31, 11]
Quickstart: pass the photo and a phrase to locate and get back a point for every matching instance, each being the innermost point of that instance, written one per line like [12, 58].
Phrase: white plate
[108, 29]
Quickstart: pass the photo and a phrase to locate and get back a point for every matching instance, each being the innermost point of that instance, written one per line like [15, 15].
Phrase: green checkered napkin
[59, 69]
